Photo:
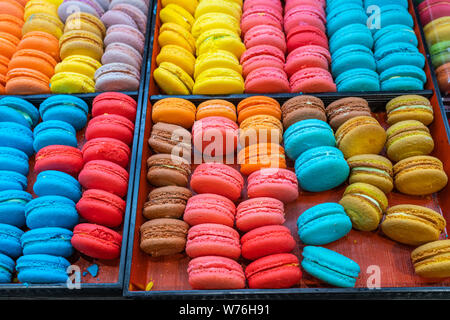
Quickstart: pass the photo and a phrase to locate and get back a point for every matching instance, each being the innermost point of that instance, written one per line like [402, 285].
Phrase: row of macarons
[62, 170]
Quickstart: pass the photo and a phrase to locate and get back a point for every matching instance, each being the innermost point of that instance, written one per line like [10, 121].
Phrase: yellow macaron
[178, 56]
[71, 82]
[216, 59]
[215, 20]
[220, 39]
[437, 30]
[224, 6]
[172, 33]
[43, 22]
[177, 14]
[85, 21]
[78, 64]
[39, 6]
[219, 81]
[432, 260]
[188, 5]
[172, 79]
[81, 42]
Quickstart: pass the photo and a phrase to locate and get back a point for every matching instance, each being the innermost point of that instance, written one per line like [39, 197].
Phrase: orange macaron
[8, 44]
[12, 7]
[260, 128]
[26, 81]
[3, 65]
[11, 24]
[261, 155]
[2, 84]
[258, 105]
[33, 59]
[174, 111]
[216, 108]
[41, 41]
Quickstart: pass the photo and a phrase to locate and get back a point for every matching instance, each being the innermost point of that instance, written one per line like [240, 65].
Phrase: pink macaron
[261, 56]
[257, 212]
[265, 35]
[209, 208]
[112, 17]
[210, 239]
[304, 15]
[312, 80]
[125, 34]
[306, 35]
[217, 178]
[261, 15]
[214, 272]
[277, 183]
[122, 53]
[310, 56]
[117, 76]
[267, 80]
[289, 4]
[267, 240]
[273, 4]
[433, 9]
[139, 18]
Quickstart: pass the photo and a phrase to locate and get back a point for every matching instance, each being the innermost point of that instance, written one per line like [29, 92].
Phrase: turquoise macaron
[330, 267]
[57, 183]
[52, 132]
[42, 269]
[356, 33]
[323, 224]
[11, 180]
[10, 240]
[52, 241]
[394, 33]
[19, 110]
[321, 168]
[351, 57]
[399, 53]
[332, 4]
[345, 14]
[70, 109]
[403, 77]
[51, 211]
[358, 80]
[387, 15]
[6, 268]
[307, 134]
[12, 207]
[381, 3]
[13, 159]
[17, 136]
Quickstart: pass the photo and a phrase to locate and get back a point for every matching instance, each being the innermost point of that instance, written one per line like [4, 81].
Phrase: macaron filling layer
[412, 107]
[372, 170]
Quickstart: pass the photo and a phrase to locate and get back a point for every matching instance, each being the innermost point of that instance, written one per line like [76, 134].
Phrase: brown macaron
[344, 109]
[162, 237]
[301, 108]
[171, 139]
[168, 170]
[166, 202]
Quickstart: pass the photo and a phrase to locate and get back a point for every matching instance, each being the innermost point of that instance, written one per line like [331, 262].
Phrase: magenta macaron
[267, 80]
[209, 208]
[277, 183]
[265, 35]
[257, 212]
[261, 56]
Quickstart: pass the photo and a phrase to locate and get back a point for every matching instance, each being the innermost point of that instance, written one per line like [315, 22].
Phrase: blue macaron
[10, 240]
[12, 207]
[19, 110]
[307, 134]
[330, 266]
[52, 132]
[42, 268]
[323, 224]
[345, 14]
[6, 268]
[351, 34]
[51, 211]
[321, 168]
[381, 3]
[57, 183]
[402, 77]
[12, 159]
[351, 57]
[358, 80]
[394, 33]
[11, 180]
[17, 136]
[398, 53]
[387, 15]
[52, 241]
[332, 4]
[70, 109]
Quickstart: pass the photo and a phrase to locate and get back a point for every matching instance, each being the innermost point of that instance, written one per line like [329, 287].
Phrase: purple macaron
[125, 34]
[116, 77]
[140, 4]
[70, 6]
[113, 17]
[139, 18]
[123, 53]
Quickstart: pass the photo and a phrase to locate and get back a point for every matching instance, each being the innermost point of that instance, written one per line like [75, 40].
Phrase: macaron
[351, 137]
[53, 132]
[60, 158]
[40, 212]
[308, 56]
[258, 212]
[312, 80]
[216, 59]
[42, 269]
[33, 59]
[166, 202]
[209, 208]
[260, 128]
[175, 111]
[409, 107]
[13, 159]
[88, 6]
[177, 14]
[172, 33]
[57, 183]
[118, 52]
[168, 170]
[178, 56]
[432, 9]
[171, 139]
[214, 272]
[215, 20]
[17, 136]
[40, 40]
[24, 81]
[395, 14]
[419, 175]
[403, 77]
[112, 17]
[304, 35]
[114, 103]
[267, 80]
[265, 34]
[26, 109]
[273, 4]
[70, 109]
[71, 82]
[211, 239]
[394, 33]
[13, 8]
[372, 169]
[330, 266]
[321, 168]
[217, 178]
[261, 155]
[163, 236]
[358, 80]
[301, 108]
[41, 21]
[260, 14]
[11, 180]
[7, 268]
[52, 241]
[352, 34]
[429, 260]
[399, 53]
[412, 225]
[96, 241]
[80, 64]
[276, 183]
[140, 4]
[10, 241]
[85, 21]
[258, 105]
[117, 76]
[220, 39]
[110, 126]
[341, 110]
[125, 34]
[350, 57]
[323, 224]
[261, 56]
[443, 74]
[218, 81]
[108, 149]
[81, 42]
[343, 15]
[12, 207]
[9, 44]
[216, 108]
[229, 7]
[304, 14]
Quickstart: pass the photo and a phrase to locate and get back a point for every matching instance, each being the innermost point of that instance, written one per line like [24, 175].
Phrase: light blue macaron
[10, 240]
[399, 53]
[394, 33]
[351, 34]
[19, 110]
[42, 268]
[321, 168]
[358, 80]
[332, 4]
[57, 183]
[307, 134]
[12, 159]
[17, 136]
[330, 266]
[51, 211]
[6, 268]
[388, 15]
[52, 132]
[52, 241]
[352, 57]
[343, 15]
[11, 180]
[70, 109]
[323, 224]
[12, 207]
[403, 77]
[381, 3]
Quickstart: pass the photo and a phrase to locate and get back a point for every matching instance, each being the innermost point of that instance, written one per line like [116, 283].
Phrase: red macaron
[110, 126]
[310, 56]
[106, 149]
[261, 56]
[261, 14]
[265, 35]
[258, 212]
[304, 15]
[276, 183]
[312, 80]
[267, 80]
[306, 35]
[96, 241]
[114, 103]
[209, 208]
[60, 158]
